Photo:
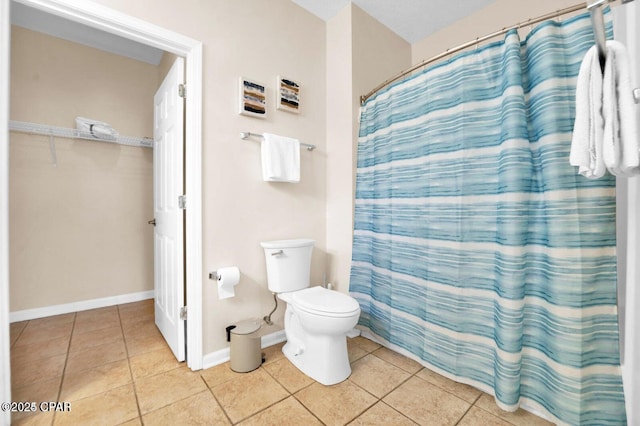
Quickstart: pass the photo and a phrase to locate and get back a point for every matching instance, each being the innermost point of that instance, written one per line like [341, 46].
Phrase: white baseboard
[47, 311]
[273, 339]
[220, 357]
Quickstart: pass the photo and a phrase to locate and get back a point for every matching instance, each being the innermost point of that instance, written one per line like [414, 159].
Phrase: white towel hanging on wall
[280, 158]
[586, 143]
[605, 134]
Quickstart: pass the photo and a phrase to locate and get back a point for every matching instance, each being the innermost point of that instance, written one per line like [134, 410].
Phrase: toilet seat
[320, 301]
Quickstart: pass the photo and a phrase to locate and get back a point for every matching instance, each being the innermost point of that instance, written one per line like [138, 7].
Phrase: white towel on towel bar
[620, 141]
[588, 129]
[280, 158]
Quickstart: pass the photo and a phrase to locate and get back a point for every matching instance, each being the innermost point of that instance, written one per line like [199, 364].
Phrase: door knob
[152, 222]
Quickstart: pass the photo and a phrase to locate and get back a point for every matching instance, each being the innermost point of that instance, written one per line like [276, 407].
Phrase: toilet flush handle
[277, 253]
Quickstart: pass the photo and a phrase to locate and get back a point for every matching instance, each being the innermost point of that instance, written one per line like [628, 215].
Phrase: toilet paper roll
[227, 279]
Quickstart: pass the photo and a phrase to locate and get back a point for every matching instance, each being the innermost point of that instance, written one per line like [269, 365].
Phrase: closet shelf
[64, 132]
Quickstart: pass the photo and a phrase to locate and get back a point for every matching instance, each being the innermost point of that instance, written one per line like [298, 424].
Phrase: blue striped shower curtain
[478, 250]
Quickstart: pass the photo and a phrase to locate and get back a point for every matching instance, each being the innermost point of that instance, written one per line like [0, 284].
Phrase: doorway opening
[119, 24]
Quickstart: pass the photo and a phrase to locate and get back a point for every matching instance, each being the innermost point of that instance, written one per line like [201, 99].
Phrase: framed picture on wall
[253, 98]
[288, 95]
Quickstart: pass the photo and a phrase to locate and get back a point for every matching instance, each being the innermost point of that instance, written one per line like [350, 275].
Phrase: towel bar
[245, 135]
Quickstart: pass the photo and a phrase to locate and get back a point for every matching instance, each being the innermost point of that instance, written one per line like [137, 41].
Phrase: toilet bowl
[316, 323]
[316, 319]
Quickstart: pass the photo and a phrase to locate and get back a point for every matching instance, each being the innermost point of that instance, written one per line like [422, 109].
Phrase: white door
[168, 183]
[626, 25]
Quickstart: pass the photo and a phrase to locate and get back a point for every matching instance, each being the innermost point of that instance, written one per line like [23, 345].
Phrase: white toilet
[316, 320]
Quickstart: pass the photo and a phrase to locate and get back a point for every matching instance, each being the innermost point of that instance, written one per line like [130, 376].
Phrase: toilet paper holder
[216, 275]
[226, 279]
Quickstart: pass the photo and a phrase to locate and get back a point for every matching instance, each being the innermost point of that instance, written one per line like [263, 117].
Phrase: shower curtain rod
[592, 6]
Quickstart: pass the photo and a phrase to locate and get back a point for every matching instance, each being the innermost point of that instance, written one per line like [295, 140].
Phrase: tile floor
[114, 368]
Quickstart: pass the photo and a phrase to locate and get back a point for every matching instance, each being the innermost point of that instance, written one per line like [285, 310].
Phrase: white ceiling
[412, 20]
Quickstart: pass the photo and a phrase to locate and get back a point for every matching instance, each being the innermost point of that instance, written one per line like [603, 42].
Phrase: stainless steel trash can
[245, 345]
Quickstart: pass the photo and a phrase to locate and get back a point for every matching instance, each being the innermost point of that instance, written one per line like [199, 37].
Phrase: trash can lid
[247, 326]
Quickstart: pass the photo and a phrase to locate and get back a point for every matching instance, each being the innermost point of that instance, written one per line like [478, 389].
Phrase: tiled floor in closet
[114, 368]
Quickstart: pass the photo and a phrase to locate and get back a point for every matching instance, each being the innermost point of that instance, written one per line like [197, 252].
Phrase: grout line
[363, 389]
[411, 375]
[307, 408]
[262, 410]
[133, 382]
[492, 415]
[216, 400]
[64, 369]
[431, 383]
[19, 335]
[377, 399]
[274, 377]
[464, 415]
[11, 348]
[170, 404]
[422, 367]
[289, 393]
[380, 399]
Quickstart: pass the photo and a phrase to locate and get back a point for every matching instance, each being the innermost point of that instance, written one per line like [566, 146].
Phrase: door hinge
[182, 90]
[183, 313]
[182, 202]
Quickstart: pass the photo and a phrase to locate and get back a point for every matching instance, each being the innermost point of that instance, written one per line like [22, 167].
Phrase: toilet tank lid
[282, 244]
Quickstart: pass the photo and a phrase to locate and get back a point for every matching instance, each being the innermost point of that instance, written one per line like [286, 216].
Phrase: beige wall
[165, 64]
[239, 209]
[258, 39]
[497, 15]
[378, 53]
[78, 230]
[335, 62]
[361, 52]
[340, 119]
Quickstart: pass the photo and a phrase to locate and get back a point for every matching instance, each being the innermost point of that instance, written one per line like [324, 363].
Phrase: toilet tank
[288, 264]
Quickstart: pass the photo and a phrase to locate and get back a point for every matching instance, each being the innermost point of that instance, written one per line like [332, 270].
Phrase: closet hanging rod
[64, 132]
[478, 40]
[245, 135]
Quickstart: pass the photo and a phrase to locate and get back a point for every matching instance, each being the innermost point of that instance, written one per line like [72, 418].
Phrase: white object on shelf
[63, 132]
